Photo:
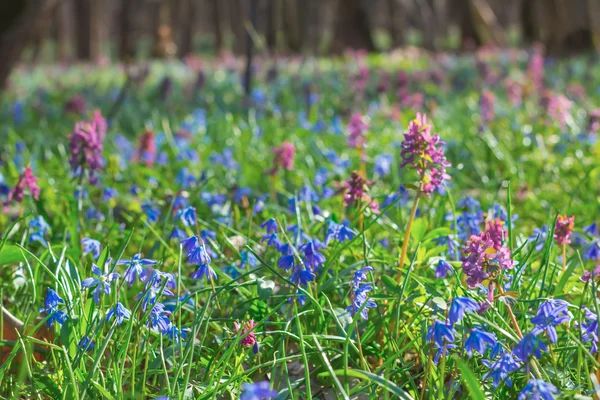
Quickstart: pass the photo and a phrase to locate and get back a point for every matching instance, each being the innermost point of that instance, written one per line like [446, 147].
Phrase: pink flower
[248, 334]
[535, 69]
[564, 229]
[76, 104]
[423, 150]
[587, 275]
[593, 123]
[558, 107]
[357, 128]
[284, 157]
[86, 145]
[496, 232]
[26, 181]
[355, 192]
[514, 92]
[481, 261]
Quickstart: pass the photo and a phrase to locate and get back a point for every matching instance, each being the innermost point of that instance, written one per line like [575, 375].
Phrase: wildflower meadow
[408, 225]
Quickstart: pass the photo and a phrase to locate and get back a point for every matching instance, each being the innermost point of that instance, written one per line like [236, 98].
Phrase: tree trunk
[292, 27]
[98, 29]
[352, 27]
[217, 26]
[63, 32]
[186, 35]
[83, 32]
[125, 45]
[16, 22]
[396, 25]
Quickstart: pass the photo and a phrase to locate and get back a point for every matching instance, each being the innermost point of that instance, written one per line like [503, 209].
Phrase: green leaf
[472, 383]
[11, 254]
[391, 284]
[382, 382]
[418, 229]
[437, 232]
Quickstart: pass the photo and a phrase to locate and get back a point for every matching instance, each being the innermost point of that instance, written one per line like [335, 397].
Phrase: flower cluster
[51, 310]
[284, 157]
[357, 128]
[27, 180]
[564, 229]
[360, 294]
[423, 150]
[247, 334]
[86, 145]
[487, 104]
[356, 192]
[482, 261]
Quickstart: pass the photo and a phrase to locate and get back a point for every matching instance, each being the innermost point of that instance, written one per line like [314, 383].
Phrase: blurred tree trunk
[351, 29]
[98, 28]
[186, 18]
[291, 20]
[16, 22]
[238, 20]
[125, 22]
[217, 26]
[83, 34]
[271, 26]
[63, 31]
[396, 24]
[461, 13]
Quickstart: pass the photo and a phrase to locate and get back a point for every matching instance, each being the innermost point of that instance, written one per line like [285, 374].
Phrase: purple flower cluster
[356, 192]
[564, 229]
[86, 145]
[27, 180]
[423, 150]
[481, 261]
[360, 295]
[284, 157]
[357, 128]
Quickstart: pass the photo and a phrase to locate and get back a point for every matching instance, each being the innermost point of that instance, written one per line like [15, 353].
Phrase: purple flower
[86, 344]
[459, 306]
[356, 192]
[551, 314]
[424, 152]
[487, 103]
[284, 157]
[537, 389]
[529, 346]
[589, 330]
[151, 213]
[39, 229]
[257, 391]
[440, 333]
[134, 267]
[101, 283]
[479, 340]
[481, 261]
[155, 285]
[119, 312]
[91, 246]
[312, 257]
[175, 334]
[204, 270]
[51, 303]
[109, 193]
[27, 180]
[539, 234]
[357, 128]
[361, 301]
[442, 269]
[86, 145]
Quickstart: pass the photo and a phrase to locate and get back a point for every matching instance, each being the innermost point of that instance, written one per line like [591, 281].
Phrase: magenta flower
[357, 128]
[27, 180]
[248, 336]
[558, 108]
[481, 261]
[356, 191]
[76, 105]
[86, 145]
[284, 157]
[535, 70]
[496, 232]
[423, 150]
[487, 104]
[593, 123]
[564, 229]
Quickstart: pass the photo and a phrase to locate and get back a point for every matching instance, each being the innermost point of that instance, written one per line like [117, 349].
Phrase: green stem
[413, 211]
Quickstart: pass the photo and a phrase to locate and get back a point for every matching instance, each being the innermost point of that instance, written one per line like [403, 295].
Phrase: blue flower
[257, 391]
[470, 203]
[442, 269]
[187, 216]
[178, 233]
[361, 301]
[440, 333]
[109, 193]
[529, 346]
[311, 256]
[341, 232]
[272, 240]
[151, 213]
[155, 285]
[119, 312]
[589, 330]
[91, 246]
[592, 250]
[86, 344]
[270, 225]
[459, 306]
[175, 334]
[541, 234]
[159, 319]
[591, 229]
[101, 283]
[479, 340]
[39, 229]
[537, 389]
[51, 303]
[399, 198]
[204, 271]
[134, 267]
[286, 262]
[361, 275]
[502, 368]
[383, 164]
[551, 314]
[248, 258]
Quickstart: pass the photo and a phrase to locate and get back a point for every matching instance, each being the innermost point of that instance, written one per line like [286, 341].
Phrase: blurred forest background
[38, 31]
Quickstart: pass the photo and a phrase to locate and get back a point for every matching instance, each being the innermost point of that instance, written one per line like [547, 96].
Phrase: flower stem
[427, 369]
[411, 218]
[564, 256]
